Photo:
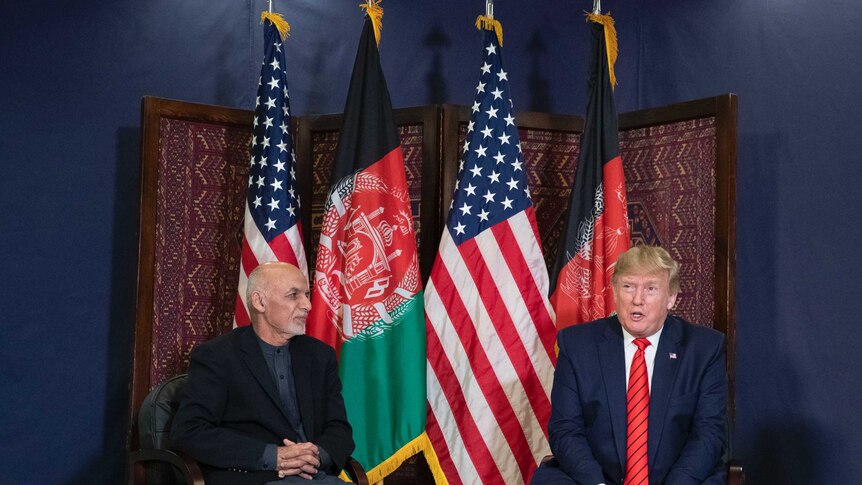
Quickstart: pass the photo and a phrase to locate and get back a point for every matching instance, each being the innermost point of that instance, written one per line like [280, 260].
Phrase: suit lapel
[667, 358]
[613, 364]
[301, 366]
[253, 358]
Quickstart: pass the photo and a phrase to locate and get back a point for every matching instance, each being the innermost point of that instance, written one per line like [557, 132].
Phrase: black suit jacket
[231, 408]
[688, 405]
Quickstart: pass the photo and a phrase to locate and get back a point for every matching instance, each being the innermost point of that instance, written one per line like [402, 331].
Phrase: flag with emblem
[596, 230]
[367, 296]
[489, 324]
[271, 231]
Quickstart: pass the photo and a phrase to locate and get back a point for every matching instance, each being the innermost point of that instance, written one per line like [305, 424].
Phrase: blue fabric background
[72, 75]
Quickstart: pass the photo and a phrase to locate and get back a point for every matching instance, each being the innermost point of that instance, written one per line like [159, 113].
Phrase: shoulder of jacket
[699, 333]
[311, 344]
[218, 343]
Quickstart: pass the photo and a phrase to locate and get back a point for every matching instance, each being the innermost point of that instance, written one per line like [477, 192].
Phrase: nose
[305, 303]
[638, 296]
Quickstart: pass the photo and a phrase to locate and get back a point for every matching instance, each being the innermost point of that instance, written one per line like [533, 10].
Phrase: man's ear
[258, 301]
[671, 301]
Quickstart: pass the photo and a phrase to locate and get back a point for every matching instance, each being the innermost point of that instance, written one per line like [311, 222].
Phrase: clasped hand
[300, 459]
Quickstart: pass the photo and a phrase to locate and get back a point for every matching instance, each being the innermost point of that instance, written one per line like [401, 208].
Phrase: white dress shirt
[649, 353]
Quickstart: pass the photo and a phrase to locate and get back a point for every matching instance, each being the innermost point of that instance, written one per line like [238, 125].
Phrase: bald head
[263, 274]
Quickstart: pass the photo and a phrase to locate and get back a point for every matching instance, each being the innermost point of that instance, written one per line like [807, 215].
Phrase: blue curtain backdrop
[71, 79]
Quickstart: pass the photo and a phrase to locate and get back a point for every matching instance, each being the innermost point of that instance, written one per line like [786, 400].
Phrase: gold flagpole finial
[375, 13]
[277, 20]
[611, 46]
[487, 21]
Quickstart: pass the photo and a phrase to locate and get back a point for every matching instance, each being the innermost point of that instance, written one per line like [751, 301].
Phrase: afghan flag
[367, 300]
[597, 224]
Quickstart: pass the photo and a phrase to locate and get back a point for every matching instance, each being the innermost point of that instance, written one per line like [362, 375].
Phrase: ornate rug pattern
[202, 182]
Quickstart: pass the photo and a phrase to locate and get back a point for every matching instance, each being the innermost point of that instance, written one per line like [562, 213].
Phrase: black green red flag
[596, 224]
[367, 299]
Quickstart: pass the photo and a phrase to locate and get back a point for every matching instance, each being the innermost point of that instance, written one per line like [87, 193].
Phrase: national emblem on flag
[367, 296]
[271, 231]
[596, 230]
[489, 324]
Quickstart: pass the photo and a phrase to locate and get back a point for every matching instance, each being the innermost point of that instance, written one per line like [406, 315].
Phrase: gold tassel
[610, 41]
[487, 23]
[375, 13]
[279, 22]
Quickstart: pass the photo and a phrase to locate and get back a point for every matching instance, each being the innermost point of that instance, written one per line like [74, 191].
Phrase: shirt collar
[629, 339]
[269, 349]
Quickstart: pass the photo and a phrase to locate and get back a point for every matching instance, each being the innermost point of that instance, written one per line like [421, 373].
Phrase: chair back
[157, 413]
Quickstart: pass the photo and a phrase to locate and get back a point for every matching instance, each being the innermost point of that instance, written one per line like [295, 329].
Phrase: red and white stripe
[490, 354]
[286, 247]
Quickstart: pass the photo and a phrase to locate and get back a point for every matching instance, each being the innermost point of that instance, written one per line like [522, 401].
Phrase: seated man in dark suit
[640, 397]
[263, 403]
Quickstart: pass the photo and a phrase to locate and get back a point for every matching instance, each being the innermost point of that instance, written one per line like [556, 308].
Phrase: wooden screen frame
[440, 155]
[724, 109]
[153, 110]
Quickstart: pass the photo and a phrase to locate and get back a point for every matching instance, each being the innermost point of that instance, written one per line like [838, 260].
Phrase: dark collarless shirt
[278, 361]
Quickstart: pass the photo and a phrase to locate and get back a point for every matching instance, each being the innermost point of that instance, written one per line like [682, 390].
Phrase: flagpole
[489, 8]
[270, 6]
[597, 7]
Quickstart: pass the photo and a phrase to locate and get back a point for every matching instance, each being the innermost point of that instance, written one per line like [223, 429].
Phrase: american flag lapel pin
[672, 355]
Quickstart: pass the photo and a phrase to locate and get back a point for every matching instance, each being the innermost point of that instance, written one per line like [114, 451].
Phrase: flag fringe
[419, 444]
[610, 41]
[279, 22]
[375, 13]
[433, 462]
[488, 23]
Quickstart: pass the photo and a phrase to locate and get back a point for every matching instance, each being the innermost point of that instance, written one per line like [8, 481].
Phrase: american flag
[490, 327]
[272, 229]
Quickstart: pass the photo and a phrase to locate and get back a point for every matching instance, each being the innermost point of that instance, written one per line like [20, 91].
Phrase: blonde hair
[647, 259]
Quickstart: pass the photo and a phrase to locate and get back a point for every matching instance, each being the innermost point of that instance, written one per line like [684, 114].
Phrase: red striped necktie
[637, 412]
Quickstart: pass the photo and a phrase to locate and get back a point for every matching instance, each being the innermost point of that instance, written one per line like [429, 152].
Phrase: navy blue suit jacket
[688, 405]
[231, 407]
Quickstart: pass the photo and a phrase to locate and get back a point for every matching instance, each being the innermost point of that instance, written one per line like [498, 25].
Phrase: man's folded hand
[300, 459]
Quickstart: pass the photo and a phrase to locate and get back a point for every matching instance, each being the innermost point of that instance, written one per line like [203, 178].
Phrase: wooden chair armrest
[735, 475]
[187, 465]
[355, 472]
